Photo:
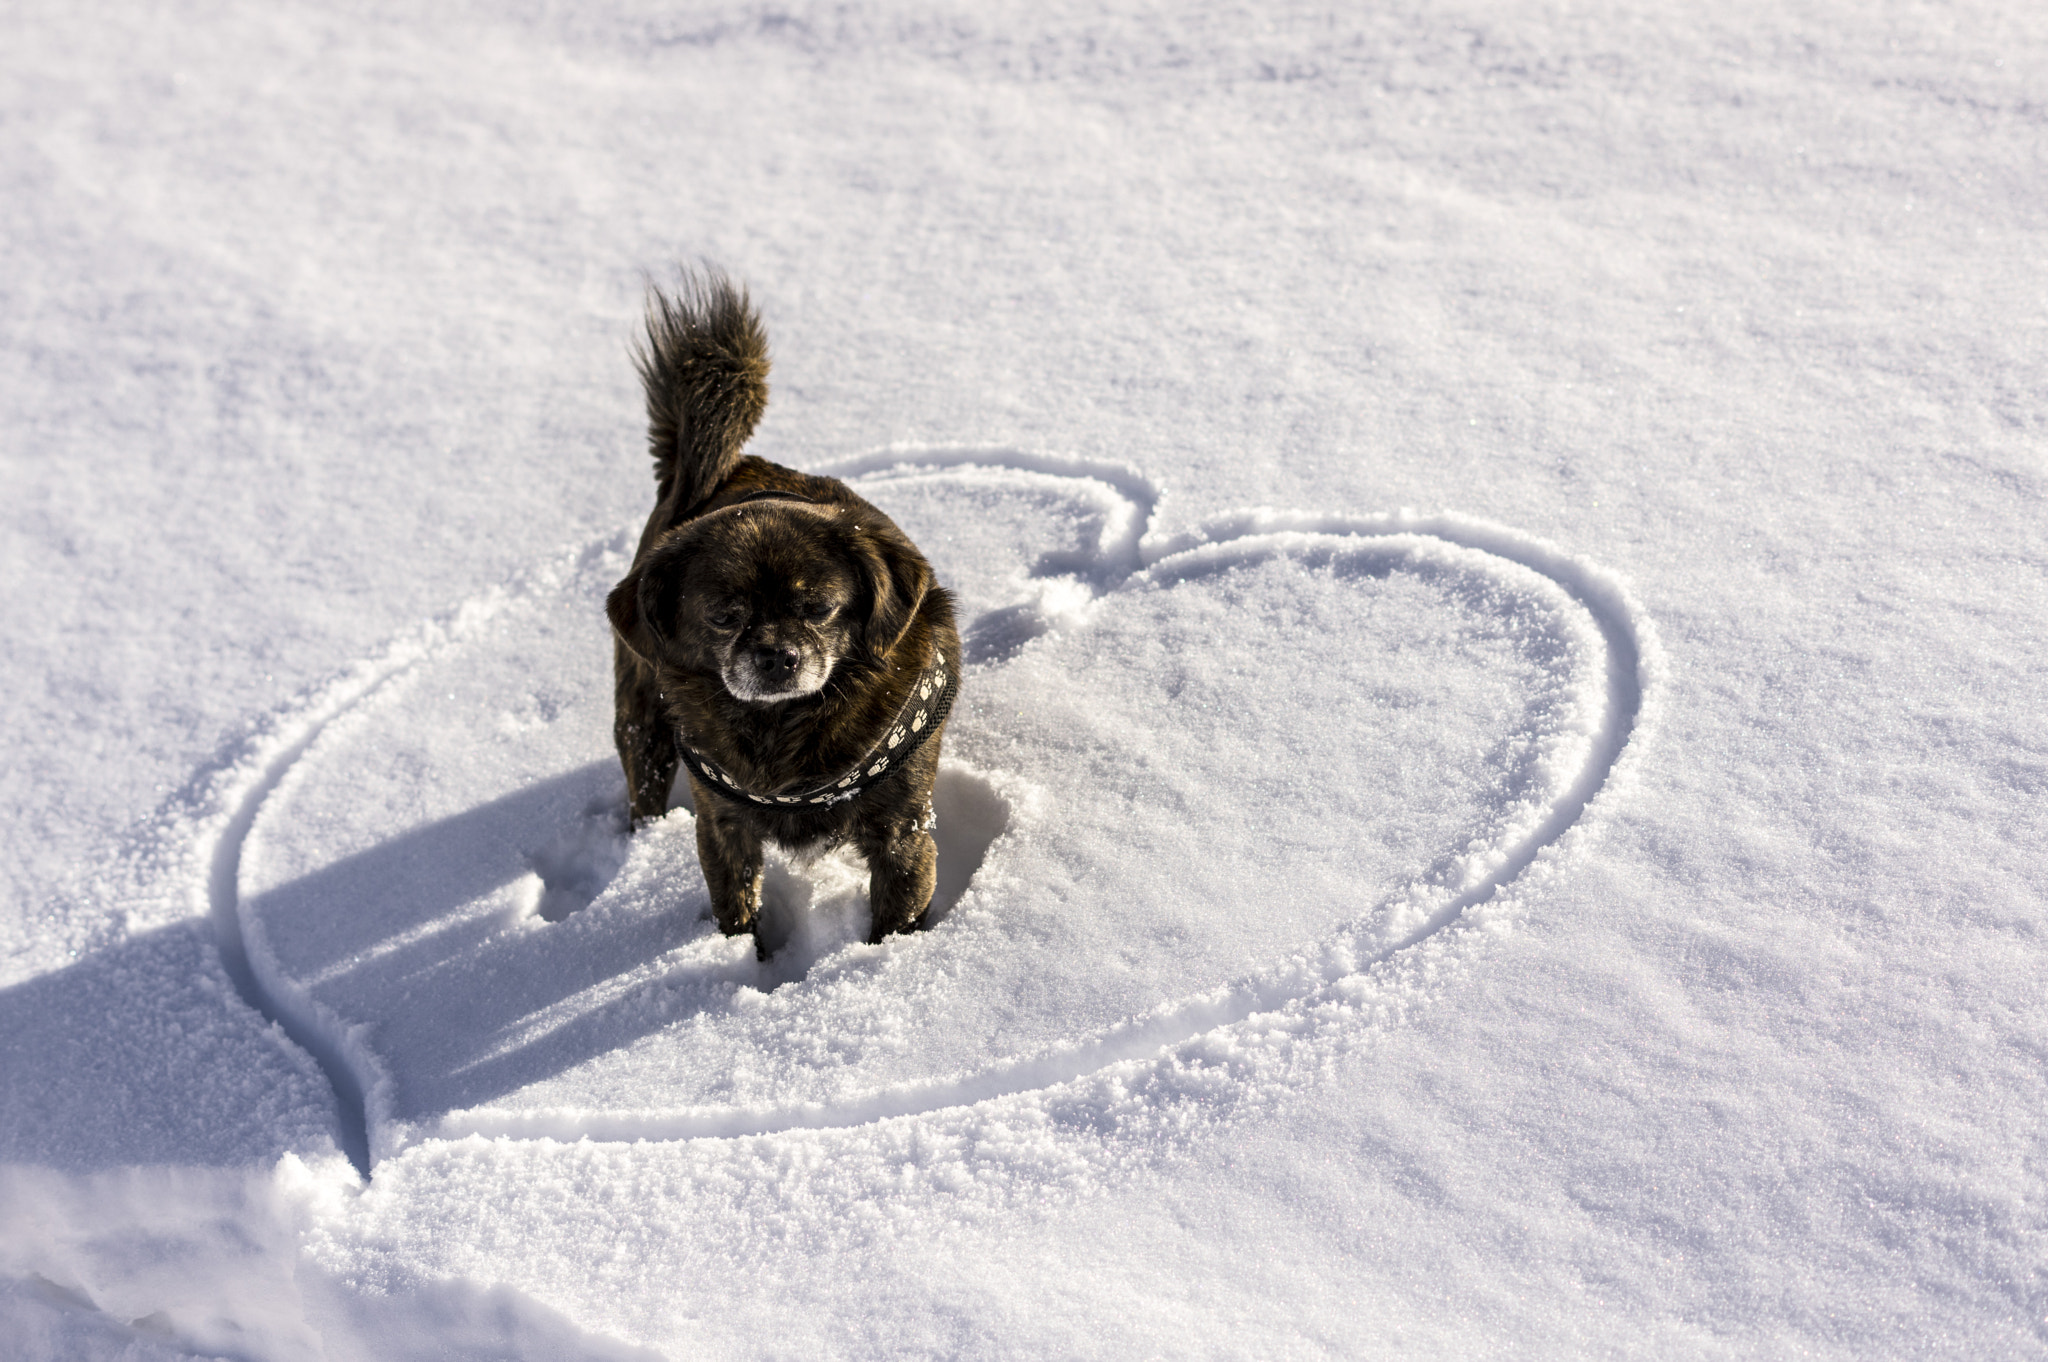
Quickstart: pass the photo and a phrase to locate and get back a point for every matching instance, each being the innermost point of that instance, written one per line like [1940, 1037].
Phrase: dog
[777, 637]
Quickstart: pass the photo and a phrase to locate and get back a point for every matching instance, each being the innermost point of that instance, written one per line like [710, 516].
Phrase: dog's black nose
[775, 662]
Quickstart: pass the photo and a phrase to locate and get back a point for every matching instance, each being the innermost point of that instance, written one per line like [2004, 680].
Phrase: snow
[1592, 912]
[1124, 761]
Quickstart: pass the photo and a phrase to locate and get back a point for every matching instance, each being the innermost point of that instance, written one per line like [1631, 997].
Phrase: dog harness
[930, 700]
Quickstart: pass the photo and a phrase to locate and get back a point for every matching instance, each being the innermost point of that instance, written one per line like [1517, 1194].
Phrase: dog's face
[769, 597]
[769, 607]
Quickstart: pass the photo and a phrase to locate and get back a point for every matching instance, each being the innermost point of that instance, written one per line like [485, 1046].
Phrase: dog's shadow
[481, 954]
[467, 1004]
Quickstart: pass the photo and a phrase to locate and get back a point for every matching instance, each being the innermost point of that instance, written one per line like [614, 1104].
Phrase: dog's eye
[724, 618]
[816, 610]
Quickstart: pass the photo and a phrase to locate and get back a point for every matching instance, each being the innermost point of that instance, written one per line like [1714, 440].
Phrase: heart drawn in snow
[1185, 782]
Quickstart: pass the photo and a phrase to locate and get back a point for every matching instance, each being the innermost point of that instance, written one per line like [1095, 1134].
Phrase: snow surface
[1594, 912]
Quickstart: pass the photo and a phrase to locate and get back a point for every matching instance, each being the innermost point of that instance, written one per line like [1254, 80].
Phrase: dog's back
[705, 366]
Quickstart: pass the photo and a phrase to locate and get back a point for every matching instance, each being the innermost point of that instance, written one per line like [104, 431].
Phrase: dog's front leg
[645, 738]
[903, 869]
[731, 856]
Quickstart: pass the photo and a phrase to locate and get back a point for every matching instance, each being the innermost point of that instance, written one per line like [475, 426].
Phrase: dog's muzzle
[764, 672]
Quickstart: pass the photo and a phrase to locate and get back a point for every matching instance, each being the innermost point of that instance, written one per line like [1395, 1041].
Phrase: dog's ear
[642, 606]
[897, 578]
[629, 621]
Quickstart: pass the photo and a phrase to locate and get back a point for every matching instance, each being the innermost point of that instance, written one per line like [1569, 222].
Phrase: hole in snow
[972, 814]
[575, 867]
[813, 907]
[999, 635]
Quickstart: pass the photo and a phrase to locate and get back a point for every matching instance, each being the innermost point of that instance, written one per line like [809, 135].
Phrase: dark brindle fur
[778, 637]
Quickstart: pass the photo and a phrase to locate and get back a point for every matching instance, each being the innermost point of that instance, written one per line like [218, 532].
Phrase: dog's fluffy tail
[705, 365]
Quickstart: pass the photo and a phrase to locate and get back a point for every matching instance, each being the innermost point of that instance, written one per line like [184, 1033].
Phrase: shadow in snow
[138, 1053]
[414, 922]
[351, 907]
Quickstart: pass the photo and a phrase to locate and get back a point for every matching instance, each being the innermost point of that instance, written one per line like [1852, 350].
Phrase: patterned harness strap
[931, 699]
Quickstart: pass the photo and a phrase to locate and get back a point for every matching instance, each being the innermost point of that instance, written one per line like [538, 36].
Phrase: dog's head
[771, 596]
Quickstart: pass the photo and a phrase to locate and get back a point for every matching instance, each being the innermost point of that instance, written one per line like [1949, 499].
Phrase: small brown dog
[777, 636]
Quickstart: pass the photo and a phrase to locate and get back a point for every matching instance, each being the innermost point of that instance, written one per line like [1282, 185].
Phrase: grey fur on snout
[742, 678]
